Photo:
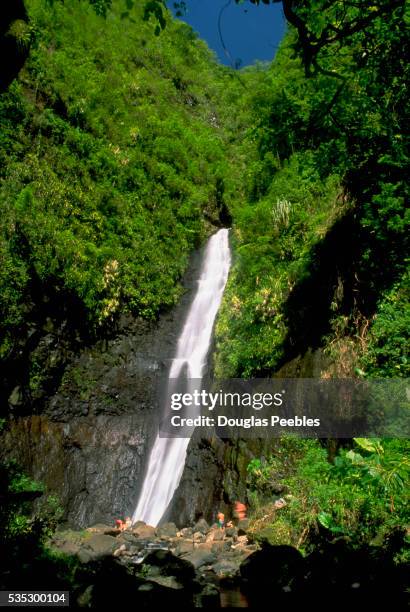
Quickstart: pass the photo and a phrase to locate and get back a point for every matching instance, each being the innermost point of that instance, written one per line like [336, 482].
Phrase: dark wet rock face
[167, 530]
[214, 477]
[201, 526]
[200, 491]
[89, 442]
[90, 462]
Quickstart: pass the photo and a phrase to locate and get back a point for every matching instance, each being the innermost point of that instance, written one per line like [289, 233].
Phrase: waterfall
[167, 458]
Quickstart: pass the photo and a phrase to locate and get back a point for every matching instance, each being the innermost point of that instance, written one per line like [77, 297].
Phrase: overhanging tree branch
[311, 44]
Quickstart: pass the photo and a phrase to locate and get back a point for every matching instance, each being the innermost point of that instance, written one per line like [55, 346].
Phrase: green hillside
[321, 231]
[112, 164]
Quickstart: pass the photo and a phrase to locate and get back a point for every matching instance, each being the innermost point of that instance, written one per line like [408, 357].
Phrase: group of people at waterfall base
[239, 513]
[122, 525]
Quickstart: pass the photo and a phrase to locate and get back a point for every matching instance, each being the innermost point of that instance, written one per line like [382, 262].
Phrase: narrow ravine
[167, 458]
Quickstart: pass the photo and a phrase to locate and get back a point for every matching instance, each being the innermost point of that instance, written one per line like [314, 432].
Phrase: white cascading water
[167, 459]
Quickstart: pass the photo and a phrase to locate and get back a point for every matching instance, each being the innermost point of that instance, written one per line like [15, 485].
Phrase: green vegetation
[117, 149]
[324, 158]
[360, 497]
[320, 241]
[387, 354]
[24, 530]
[273, 242]
[111, 162]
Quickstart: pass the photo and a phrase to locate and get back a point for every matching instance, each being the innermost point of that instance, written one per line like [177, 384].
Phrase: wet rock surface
[152, 563]
[143, 543]
[88, 462]
[89, 442]
[95, 463]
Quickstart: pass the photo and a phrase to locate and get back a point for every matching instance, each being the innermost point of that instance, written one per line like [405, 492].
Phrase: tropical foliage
[361, 496]
[111, 160]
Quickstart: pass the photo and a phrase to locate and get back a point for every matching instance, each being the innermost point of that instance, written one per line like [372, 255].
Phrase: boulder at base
[271, 570]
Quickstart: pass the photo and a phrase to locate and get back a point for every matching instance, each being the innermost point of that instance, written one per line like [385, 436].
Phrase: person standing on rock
[119, 523]
[128, 522]
[240, 511]
[123, 525]
[220, 517]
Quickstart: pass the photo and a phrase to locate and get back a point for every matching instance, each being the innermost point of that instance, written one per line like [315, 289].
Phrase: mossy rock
[275, 534]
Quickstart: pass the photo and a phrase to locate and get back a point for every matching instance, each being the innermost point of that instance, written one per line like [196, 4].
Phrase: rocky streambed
[197, 565]
[205, 566]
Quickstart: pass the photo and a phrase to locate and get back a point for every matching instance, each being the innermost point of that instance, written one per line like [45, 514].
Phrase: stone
[84, 600]
[279, 503]
[218, 547]
[84, 556]
[231, 532]
[250, 548]
[127, 553]
[199, 558]
[127, 537]
[117, 552]
[145, 531]
[203, 546]
[16, 397]
[209, 597]
[216, 534]
[101, 545]
[99, 527]
[243, 526]
[226, 568]
[166, 581]
[146, 588]
[219, 535]
[157, 584]
[138, 524]
[167, 530]
[164, 563]
[112, 531]
[201, 526]
[199, 537]
[186, 532]
[269, 570]
[184, 547]
[245, 553]
[67, 547]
